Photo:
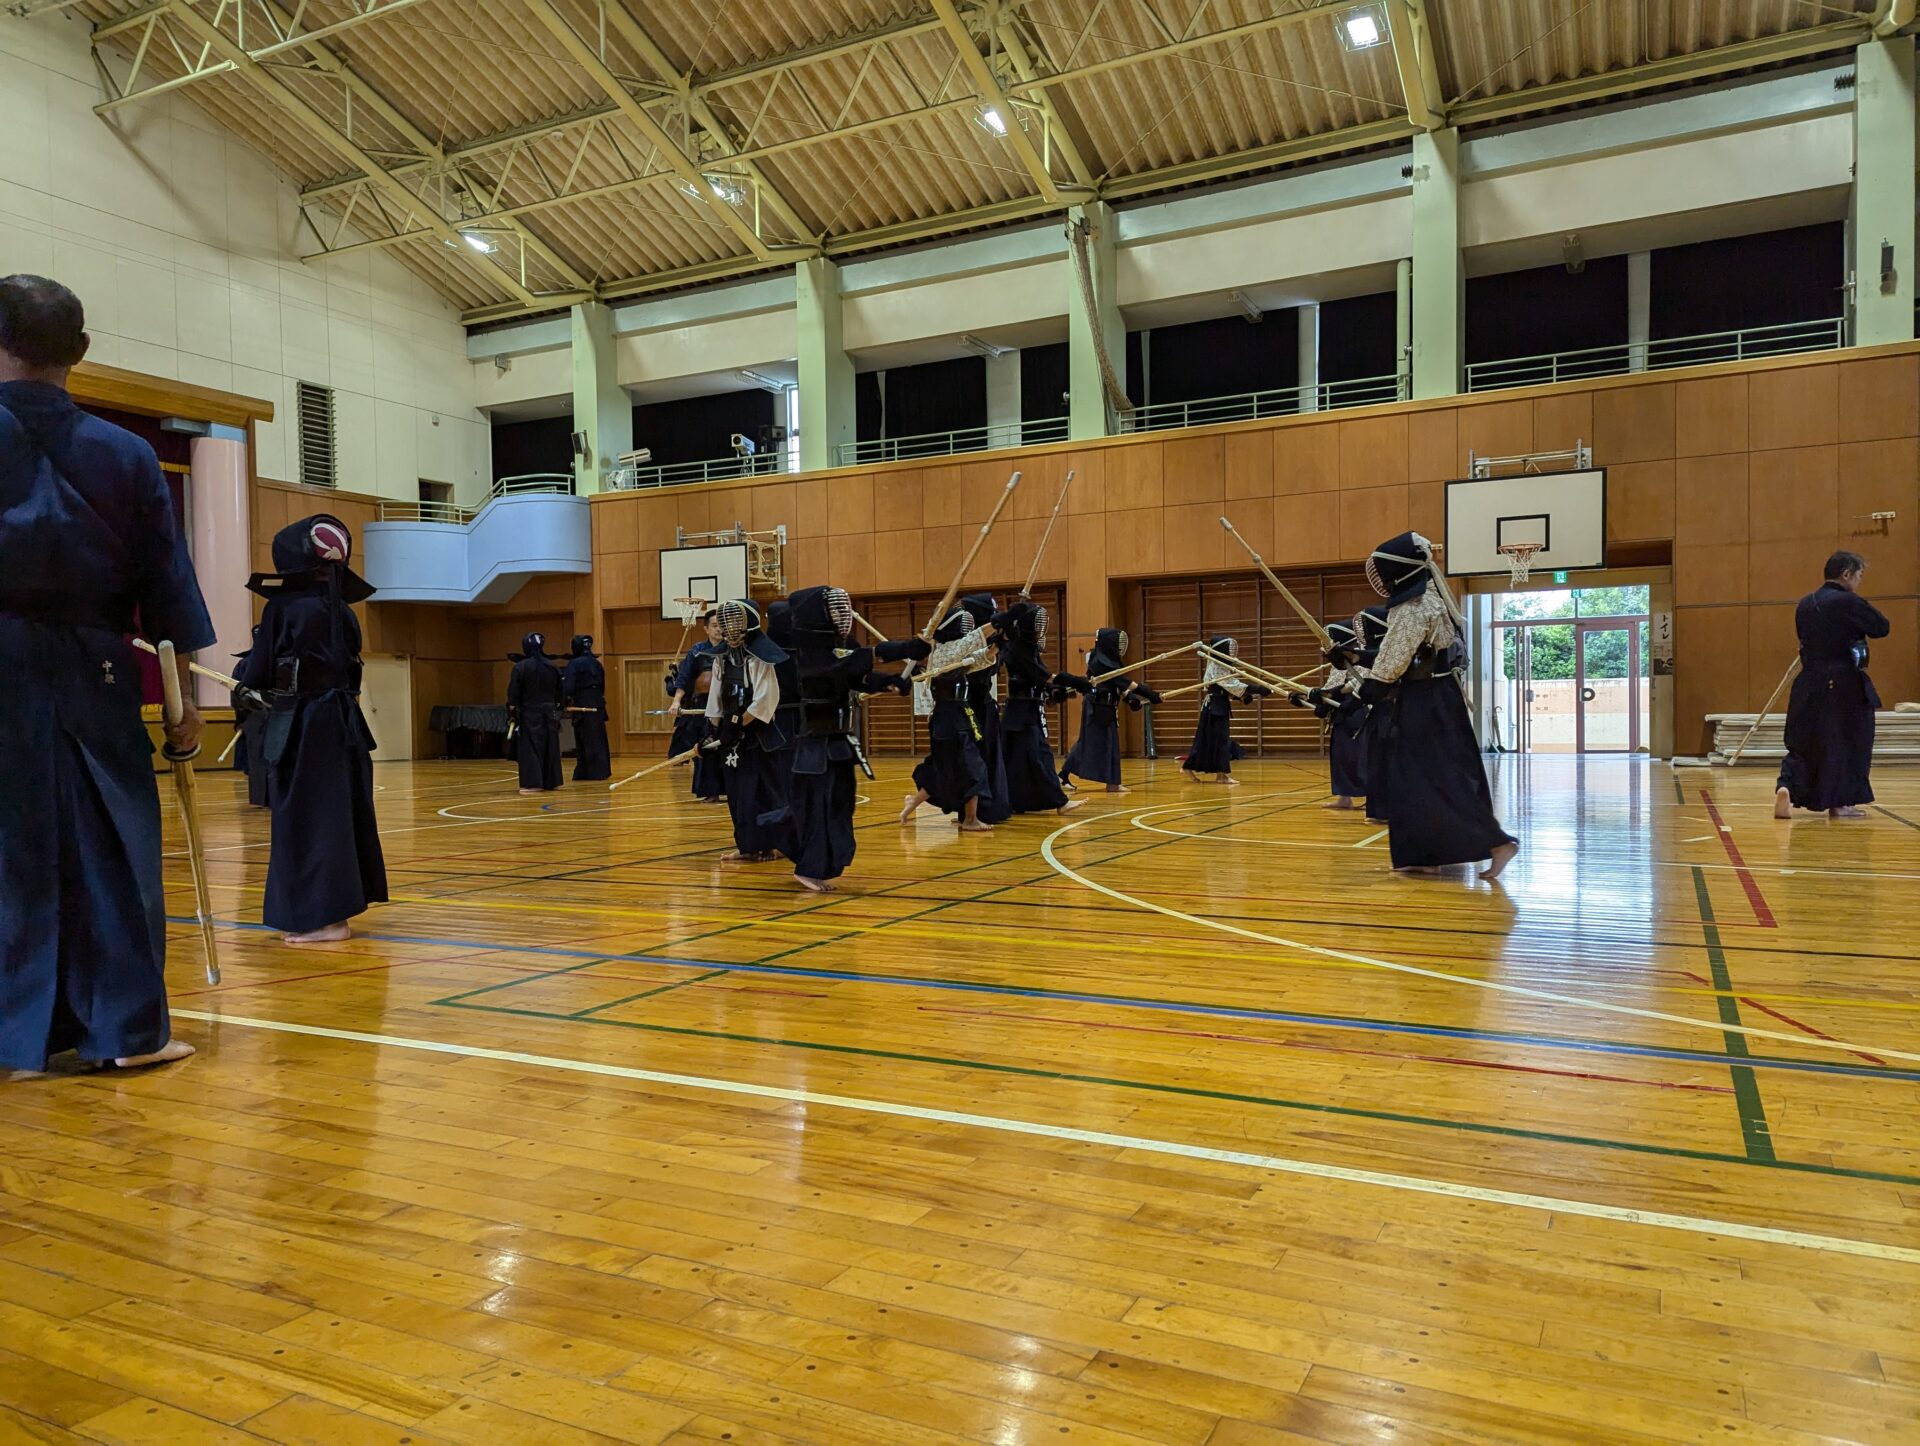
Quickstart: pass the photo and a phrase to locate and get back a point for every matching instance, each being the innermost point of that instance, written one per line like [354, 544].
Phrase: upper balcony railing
[1251, 406]
[990, 438]
[453, 514]
[717, 469]
[1747, 344]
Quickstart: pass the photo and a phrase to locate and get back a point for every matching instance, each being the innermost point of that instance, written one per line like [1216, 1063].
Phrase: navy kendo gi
[88, 548]
[533, 702]
[584, 685]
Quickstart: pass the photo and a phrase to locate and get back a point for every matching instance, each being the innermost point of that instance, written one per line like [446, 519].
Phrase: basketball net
[1519, 556]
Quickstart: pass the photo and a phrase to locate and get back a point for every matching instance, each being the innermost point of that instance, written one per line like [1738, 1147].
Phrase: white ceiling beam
[987, 86]
[1413, 59]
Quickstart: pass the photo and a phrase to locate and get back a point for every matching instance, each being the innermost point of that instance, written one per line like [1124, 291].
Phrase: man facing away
[1830, 711]
[88, 549]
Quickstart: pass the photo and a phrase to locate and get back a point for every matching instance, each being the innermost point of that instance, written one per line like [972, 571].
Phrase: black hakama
[1442, 807]
[953, 770]
[585, 686]
[995, 804]
[1830, 713]
[1214, 750]
[1376, 751]
[757, 796]
[1033, 777]
[592, 760]
[250, 756]
[817, 821]
[1347, 754]
[709, 775]
[533, 692]
[1096, 753]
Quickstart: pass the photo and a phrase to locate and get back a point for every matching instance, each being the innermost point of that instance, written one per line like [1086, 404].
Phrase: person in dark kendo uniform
[1369, 627]
[1213, 750]
[817, 818]
[1830, 713]
[325, 865]
[687, 705]
[985, 710]
[88, 548]
[744, 704]
[1096, 753]
[953, 775]
[1033, 784]
[533, 706]
[787, 719]
[584, 687]
[1336, 704]
[1442, 807]
[250, 753]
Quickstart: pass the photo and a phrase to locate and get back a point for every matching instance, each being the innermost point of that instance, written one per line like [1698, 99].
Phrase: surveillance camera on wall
[743, 446]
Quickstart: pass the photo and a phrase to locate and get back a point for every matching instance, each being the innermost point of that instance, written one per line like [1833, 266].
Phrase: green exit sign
[1559, 577]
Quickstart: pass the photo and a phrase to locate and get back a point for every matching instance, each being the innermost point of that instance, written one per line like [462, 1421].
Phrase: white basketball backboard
[693, 579]
[1564, 513]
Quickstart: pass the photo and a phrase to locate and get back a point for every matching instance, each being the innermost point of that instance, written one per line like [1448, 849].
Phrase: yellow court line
[1519, 990]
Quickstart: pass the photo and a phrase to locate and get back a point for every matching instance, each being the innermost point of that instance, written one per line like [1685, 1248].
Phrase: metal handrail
[452, 514]
[1779, 339]
[1278, 402]
[990, 438]
[716, 469]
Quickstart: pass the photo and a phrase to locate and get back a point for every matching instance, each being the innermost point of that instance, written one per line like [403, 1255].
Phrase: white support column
[1403, 325]
[826, 371]
[1088, 330]
[1307, 352]
[601, 407]
[1882, 252]
[1003, 400]
[1439, 279]
[1639, 308]
[222, 548]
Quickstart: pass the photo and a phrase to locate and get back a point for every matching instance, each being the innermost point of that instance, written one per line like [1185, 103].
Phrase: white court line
[1698, 1225]
[1551, 996]
[1369, 839]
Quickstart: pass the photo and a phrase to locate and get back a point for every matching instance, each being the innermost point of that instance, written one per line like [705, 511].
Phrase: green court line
[1746, 1087]
[667, 988]
[1512, 1132]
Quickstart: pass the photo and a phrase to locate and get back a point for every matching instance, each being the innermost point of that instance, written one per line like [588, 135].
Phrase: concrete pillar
[1883, 192]
[221, 543]
[1439, 279]
[601, 407]
[1403, 325]
[1003, 400]
[1639, 308]
[826, 371]
[1088, 329]
[1308, 354]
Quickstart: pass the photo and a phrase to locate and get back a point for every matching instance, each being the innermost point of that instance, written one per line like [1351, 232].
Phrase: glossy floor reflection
[1177, 1119]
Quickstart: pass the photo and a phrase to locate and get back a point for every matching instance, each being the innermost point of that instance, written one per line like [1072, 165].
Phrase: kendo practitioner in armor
[687, 705]
[817, 819]
[786, 720]
[584, 686]
[250, 753]
[1213, 749]
[1344, 714]
[533, 705]
[88, 544]
[953, 775]
[325, 865]
[1442, 807]
[1369, 627]
[1830, 713]
[1096, 753]
[744, 703]
[1033, 784]
[985, 710]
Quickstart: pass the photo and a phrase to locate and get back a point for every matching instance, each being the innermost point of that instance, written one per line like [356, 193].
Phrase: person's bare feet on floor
[1782, 803]
[166, 1054]
[1502, 856]
[332, 934]
[1070, 805]
[813, 886]
[531, 792]
[973, 825]
[1340, 800]
[913, 801]
[1848, 812]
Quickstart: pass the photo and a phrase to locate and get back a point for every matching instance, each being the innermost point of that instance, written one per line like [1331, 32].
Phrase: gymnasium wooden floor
[1178, 1120]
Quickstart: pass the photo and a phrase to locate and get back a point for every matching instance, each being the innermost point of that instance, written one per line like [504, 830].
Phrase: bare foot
[734, 856]
[1070, 805]
[1848, 812]
[1117, 788]
[975, 826]
[1229, 780]
[1381, 821]
[166, 1054]
[1424, 870]
[531, 792]
[1340, 801]
[1068, 784]
[1192, 777]
[913, 802]
[332, 934]
[1782, 803]
[1502, 856]
[813, 886]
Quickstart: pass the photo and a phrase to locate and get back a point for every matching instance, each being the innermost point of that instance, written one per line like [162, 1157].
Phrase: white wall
[183, 242]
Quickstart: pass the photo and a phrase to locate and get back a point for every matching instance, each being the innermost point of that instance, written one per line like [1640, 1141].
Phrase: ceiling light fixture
[1362, 29]
[986, 349]
[990, 121]
[1249, 308]
[761, 379]
[478, 242]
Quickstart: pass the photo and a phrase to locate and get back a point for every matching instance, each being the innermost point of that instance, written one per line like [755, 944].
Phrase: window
[435, 491]
[315, 406]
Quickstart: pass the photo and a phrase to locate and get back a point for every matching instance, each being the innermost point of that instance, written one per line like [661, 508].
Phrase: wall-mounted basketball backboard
[1562, 514]
[693, 579]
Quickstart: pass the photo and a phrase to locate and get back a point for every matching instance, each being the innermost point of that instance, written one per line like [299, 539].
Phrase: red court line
[1745, 875]
[1789, 1019]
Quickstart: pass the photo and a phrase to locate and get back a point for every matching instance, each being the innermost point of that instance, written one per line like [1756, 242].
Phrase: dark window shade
[1359, 337]
[1225, 357]
[699, 429]
[868, 415]
[942, 396]
[1766, 279]
[1043, 382]
[1136, 379]
[1547, 309]
[544, 444]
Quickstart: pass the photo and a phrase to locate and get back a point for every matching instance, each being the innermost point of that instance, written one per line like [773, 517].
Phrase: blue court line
[1119, 1001]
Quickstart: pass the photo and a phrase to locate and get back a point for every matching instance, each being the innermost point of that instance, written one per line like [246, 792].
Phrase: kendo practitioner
[1033, 783]
[687, 705]
[88, 551]
[584, 686]
[1344, 714]
[1369, 627]
[817, 818]
[1096, 753]
[533, 706]
[1442, 807]
[953, 775]
[250, 753]
[744, 704]
[1830, 713]
[786, 719]
[1213, 750]
[325, 865]
[984, 708]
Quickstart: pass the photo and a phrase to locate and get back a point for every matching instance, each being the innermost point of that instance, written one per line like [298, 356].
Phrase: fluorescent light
[1249, 308]
[761, 379]
[1362, 29]
[477, 242]
[990, 121]
[985, 348]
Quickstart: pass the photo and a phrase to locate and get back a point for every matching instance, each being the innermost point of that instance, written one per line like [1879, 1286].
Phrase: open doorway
[1571, 670]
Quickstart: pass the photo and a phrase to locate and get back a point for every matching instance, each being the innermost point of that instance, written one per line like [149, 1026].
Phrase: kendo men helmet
[583, 645]
[739, 620]
[1400, 568]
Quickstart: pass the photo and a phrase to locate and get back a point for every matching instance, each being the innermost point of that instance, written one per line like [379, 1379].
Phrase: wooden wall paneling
[850, 505]
[1640, 500]
[1712, 659]
[1794, 493]
[1896, 661]
[1630, 424]
[1170, 616]
[1306, 458]
[1306, 529]
[1433, 446]
[1373, 451]
[1369, 517]
[1879, 397]
[1882, 477]
[1247, 465]
[1193, 470]
[1711, 501]
[1710, 415]
[1135, 477]
[1562, 419]
[1799, 407]
[1492, 429]
[897, 502]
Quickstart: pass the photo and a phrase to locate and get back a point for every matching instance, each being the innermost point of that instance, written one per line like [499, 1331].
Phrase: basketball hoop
[1519, 556]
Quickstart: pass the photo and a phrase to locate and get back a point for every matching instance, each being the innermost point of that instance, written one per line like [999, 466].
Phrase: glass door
[1609, 687]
